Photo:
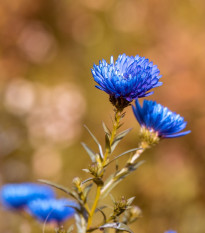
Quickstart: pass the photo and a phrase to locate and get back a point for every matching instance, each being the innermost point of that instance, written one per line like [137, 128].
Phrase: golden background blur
[47, 48]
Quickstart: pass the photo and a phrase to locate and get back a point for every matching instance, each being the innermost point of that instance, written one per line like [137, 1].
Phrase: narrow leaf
[126, 152]
[113, 181]
[60, 187]
[87, 189]
[107, 131]
[112, 198]
[70, 229]
[89, 151]
[103, 214]
[107, 143]
[119, 137]
[123, 133]
[86, 170]
[96, 141]
[89, 179]
[130, 200]
[116, 225]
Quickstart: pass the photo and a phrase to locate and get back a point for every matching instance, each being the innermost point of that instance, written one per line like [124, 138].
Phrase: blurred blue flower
[18, 195]
[159, 119]
[48, 210]
[170, 231]
[127, 78]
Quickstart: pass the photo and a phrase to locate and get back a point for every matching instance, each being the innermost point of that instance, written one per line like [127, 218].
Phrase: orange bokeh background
[47, 49]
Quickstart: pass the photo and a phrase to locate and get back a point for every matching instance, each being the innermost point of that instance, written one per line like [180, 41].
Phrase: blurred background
[47, 48]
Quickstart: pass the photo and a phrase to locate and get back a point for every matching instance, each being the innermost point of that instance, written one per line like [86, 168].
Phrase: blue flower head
[16, 196]
[51, 210]
[126, 79]
[159, 119]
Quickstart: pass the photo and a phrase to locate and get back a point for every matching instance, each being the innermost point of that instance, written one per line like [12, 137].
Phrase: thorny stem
[107, 153]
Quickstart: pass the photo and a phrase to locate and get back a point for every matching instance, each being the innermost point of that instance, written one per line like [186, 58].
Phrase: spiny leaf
[126, 152]
[89, 151]
[62, 188]
[116, 225]
[96, 141]
[106, 129]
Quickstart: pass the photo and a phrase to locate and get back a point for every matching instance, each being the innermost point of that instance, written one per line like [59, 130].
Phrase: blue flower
[128, 78]
[159, 119]
[18, 195]
[48, 210]
[170, 231]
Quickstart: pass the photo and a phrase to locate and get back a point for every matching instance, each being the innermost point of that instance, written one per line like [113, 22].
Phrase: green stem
[106, 155]
[125, 171]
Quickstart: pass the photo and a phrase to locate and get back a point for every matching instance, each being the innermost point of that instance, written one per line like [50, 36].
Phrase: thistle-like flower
[159, 120]
[51, 210]
[126, 79]
[16, 196]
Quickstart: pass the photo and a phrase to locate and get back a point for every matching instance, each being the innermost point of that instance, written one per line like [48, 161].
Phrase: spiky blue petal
[51, 210]
[155, 117]
[18, 195]
[128, 77]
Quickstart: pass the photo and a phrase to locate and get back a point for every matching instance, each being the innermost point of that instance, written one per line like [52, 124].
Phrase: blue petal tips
[51, 210]
[16, 196]
[126, 79]
[159, 119]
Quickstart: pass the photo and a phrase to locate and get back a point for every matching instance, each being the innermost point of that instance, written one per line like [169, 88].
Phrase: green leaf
[89, 179]
[117, 226]
[119, 137]
[62, 188]
[126, 152]
[103, 214]
[87, 189]
[107, 131]
[107, 143]
[70, 229]
[130, 200]
[114, 180]
[89, 151]
[80, 223]
[96, 141]
[86, 170]
[112, 198]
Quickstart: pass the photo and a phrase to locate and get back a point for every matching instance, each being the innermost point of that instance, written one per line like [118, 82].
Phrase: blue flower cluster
[18, 195]
[38, 200]
[159, 119]
[131, 78]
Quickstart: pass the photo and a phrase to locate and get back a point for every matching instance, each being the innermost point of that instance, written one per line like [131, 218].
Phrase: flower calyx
[148, 138]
